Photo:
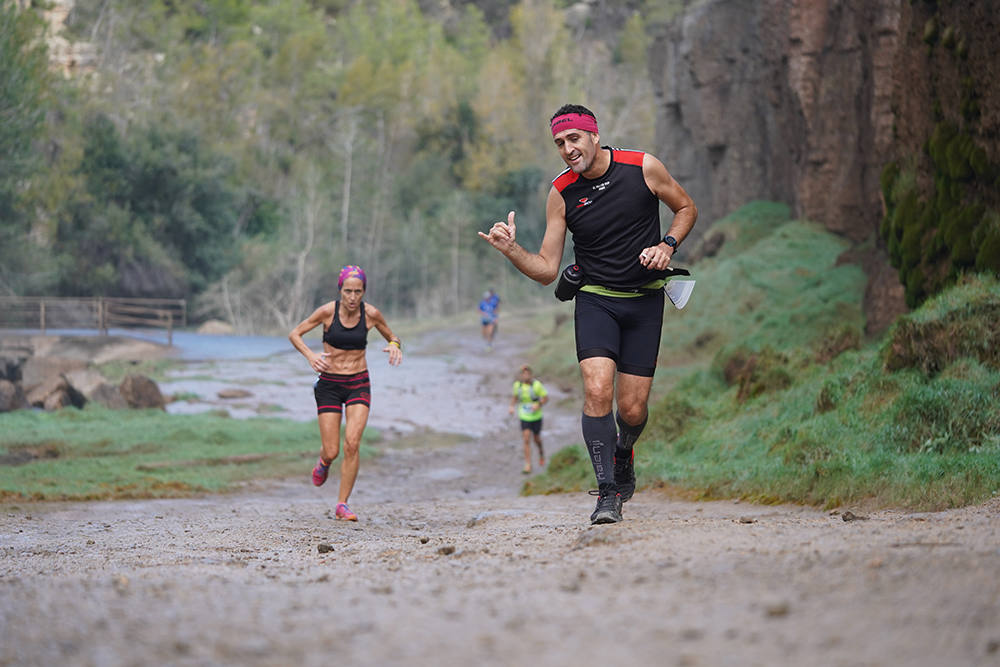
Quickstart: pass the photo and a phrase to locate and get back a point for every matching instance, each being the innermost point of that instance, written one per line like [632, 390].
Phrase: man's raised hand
[502, 234]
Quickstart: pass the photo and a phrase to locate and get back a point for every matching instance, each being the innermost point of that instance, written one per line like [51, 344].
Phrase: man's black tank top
[612, 219]
[355, 338]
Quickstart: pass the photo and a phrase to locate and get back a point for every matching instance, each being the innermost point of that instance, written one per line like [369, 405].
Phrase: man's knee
[597, 403]
[633, 413]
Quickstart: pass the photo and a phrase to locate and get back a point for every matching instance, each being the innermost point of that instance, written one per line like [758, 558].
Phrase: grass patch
[767, 390]
[102, 454]
[155, 369]
[568, 470]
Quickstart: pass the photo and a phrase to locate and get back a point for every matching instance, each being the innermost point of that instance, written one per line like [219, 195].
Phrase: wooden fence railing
[101, 313]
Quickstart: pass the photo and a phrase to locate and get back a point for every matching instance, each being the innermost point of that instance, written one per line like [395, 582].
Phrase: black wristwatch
[670, 241]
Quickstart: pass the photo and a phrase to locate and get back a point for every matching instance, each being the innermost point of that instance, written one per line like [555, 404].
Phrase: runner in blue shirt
[489, 311]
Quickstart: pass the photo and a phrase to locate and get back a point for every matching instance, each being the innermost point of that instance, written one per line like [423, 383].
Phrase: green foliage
[933, 236]
[634, 42]
[157, 217]
[23, 79]
[930, 31]
[237, 152]
[97, 453]
[24, 85]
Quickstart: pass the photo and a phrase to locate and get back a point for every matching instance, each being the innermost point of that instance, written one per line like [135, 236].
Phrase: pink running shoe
[320, 472]
[344, 513]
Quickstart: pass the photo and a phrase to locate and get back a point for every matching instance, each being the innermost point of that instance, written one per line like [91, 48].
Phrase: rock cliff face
[70, 58]
[790, 100]
[781, 99]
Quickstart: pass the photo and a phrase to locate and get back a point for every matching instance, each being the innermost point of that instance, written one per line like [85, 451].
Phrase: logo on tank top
[602, 186]
[584, 201]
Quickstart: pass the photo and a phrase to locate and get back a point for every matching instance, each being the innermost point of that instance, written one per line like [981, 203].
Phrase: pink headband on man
[574, 121]
[352, 271]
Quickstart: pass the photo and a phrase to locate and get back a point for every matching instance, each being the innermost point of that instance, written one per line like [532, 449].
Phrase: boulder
[13, 354]
[37, 371]
[16, 348]
[39, 394]
[57, 400]
[10, 367]
[233, 393]
[140, 391]
[88, 385]
[216, 327]
[11, 396]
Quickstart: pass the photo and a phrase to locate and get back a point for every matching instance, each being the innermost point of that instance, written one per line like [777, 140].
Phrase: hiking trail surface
[449, 565]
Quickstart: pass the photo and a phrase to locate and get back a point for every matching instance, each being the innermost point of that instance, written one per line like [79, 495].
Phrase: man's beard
[582, 166]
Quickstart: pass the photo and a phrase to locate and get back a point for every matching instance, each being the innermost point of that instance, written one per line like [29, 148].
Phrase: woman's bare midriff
[345, 362]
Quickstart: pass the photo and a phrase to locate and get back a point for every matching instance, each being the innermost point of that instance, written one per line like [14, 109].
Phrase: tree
[24, 80]
[155, 217]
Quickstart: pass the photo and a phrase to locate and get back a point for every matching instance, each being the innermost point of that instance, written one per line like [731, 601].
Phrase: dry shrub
[831, 347]
[756, 372]
[972, 330]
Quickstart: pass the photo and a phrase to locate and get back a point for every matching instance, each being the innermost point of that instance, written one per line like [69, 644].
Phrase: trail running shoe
[609, 505]
[527, 469]
[320, 472]
[625, 475]
[344, 513]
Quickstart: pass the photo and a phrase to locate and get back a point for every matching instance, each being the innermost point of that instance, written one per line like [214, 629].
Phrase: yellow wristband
[396, 343]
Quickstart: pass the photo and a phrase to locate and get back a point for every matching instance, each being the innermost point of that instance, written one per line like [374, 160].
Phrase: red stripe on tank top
[564, 179]
[629, 157]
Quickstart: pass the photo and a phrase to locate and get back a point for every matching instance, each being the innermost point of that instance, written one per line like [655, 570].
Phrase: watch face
[670, 241]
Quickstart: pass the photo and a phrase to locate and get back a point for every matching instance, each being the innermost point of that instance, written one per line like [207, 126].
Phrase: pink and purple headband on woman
[352, 271]
[574, 121]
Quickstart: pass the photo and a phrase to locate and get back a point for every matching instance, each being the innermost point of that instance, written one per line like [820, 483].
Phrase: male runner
[489, 312]
[528, 395]
[609, 200]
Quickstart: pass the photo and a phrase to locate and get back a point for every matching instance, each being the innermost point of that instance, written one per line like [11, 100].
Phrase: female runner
[343, 386]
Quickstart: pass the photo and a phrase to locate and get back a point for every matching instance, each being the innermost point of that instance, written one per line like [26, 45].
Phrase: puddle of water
[188, 345]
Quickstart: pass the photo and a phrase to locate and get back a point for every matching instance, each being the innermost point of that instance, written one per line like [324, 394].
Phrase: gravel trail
[450, 566]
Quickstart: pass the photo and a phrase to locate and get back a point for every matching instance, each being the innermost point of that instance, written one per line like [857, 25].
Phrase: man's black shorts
[624, 330]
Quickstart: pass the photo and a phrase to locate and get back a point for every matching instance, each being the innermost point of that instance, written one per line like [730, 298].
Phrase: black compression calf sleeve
[599, 436]
[628, 434]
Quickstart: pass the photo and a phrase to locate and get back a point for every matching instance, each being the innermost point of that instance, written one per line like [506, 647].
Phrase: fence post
[102, 322]
[41, 315]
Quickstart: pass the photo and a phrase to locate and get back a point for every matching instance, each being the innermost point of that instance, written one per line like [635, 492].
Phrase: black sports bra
[355, 338]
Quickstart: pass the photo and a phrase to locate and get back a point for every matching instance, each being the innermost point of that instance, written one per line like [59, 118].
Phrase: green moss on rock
[932, 237]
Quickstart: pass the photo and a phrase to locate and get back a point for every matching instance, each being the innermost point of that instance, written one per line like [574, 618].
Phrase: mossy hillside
[829, 420]
[775, 283]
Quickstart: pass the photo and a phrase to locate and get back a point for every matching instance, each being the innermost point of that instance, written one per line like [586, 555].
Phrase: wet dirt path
[450, 566]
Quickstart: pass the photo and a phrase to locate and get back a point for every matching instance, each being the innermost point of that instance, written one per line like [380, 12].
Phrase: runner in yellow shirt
[529, 395]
